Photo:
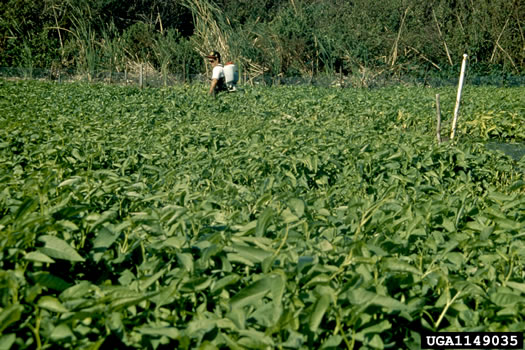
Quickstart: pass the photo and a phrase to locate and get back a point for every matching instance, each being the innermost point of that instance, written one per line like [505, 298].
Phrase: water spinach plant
[285, 218]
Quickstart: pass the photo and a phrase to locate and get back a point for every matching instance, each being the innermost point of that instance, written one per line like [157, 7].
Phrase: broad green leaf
[58, 249]
[263, 221]
[376, 342]
[508, 224]
[252, 293]
[170, 332]
[295, 340]
[255, 255]
[247, 229]
[186, 261]
[196, 284]
[48, 280]
[69, 182]
[516, 286]
[124, 302]
[377, 328]
[71, 226]
[278, 287]
[333, 342]
[253, 339]
[297, 206]
[10, 315]
[99, 219]
[288, 217]
[321, 305]
[38, 257]
[144, 284]
[174, 242]
[224, 282]
[198, 328]
[51, 304]
[61, 332]
[77, 291]
[506, 299]
[361, 296]
[238, 258]
[114, 322]
[266, 315]
[394, 264]
[318, 279]
[455, 258]
[508, 311]
[499, 197]
[305, 261]
[7, 341]
[476, 226]
[104, 239]
[449, 225]
[28, 205]
[126, 277]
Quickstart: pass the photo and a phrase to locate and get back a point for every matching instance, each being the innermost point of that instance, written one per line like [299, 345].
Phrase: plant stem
[445, 309]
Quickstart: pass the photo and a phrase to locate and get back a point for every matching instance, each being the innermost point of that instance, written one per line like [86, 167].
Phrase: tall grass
[27, 60]
[113, 50]
[85, 41]
[393, 39]
[214, 31]
[165, 46]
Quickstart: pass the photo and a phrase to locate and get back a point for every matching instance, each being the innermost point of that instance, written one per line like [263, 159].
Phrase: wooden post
[438, 112]
[184, 69]
[312, 74]
[141, 76]
[458, 98]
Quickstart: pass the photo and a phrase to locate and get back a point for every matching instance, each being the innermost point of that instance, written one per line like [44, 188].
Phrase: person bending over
[218, 80]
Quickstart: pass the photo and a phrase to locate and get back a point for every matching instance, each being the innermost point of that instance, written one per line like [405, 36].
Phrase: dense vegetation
[288, 218]
[296, 37]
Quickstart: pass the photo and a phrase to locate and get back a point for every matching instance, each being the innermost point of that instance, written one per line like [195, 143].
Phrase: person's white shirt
[218, 72]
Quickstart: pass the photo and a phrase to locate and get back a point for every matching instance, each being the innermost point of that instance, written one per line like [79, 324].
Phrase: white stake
[438, 112]
[458, 98]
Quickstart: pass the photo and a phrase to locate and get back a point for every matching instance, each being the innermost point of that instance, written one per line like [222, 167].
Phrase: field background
[289, 218]
[268, 39]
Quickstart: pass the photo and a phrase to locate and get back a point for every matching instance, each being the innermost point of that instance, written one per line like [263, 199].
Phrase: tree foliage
[269, 36]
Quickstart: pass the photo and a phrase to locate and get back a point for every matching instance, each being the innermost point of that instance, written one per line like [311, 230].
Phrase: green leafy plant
[291, 218]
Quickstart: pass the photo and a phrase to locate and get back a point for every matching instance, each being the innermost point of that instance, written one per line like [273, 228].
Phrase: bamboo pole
[438, 112]
[458, 98]
[441, 36]
[496, 44]
[424, 57]
[59, 34]
[396, 43]
[294, 7]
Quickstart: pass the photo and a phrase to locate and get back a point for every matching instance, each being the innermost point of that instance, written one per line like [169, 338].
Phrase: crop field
[284, 218]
